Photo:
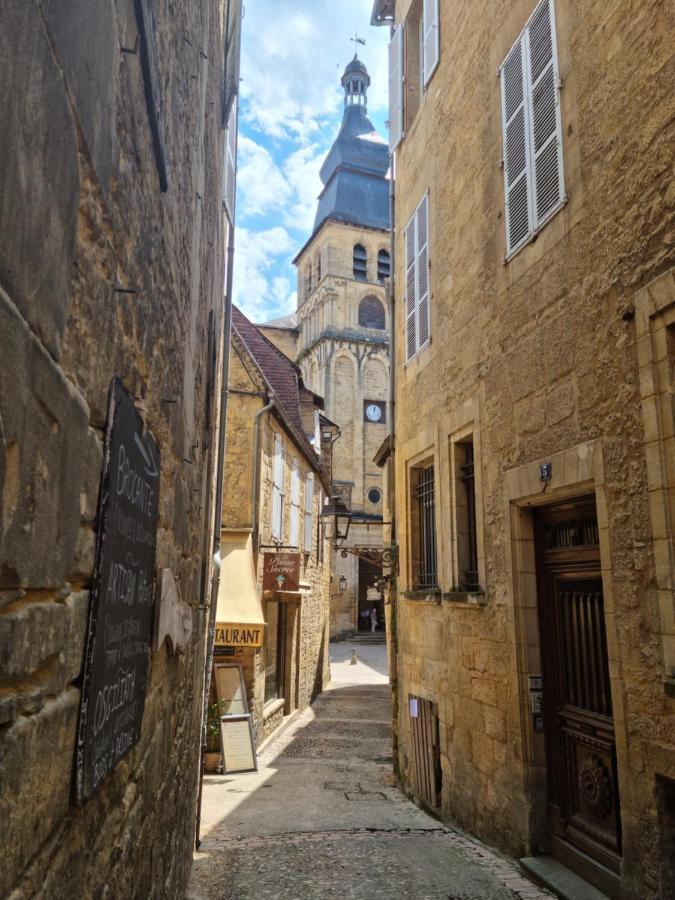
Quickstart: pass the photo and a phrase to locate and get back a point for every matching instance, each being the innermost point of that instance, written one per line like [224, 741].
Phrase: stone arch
[375, 379]
[344, 398]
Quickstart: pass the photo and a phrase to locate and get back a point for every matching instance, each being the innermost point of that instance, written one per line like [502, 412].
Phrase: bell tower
[343, 318]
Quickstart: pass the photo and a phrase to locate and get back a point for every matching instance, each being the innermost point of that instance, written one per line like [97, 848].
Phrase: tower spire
[356, 79]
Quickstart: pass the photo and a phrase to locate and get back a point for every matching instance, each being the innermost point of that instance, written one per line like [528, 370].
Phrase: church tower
[343, 321]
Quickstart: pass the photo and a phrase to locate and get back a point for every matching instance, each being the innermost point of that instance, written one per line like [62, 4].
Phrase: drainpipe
[255, 494]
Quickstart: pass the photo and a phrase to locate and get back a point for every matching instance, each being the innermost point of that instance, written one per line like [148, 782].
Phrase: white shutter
[295, 503]
[545, 124]
[230, 162]
[309, 503]
[410, 290]
[396, 89]
[277, 489]
[422, 247]
[516, 148]
[431, 47]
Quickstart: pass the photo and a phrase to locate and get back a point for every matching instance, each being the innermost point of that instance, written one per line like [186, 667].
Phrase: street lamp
[342, 583]
[335, 519]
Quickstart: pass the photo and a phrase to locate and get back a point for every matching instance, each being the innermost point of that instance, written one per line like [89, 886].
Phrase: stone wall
[101, 275]
[538, 358]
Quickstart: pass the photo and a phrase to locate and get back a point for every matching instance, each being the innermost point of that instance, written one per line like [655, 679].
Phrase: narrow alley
[322, 817]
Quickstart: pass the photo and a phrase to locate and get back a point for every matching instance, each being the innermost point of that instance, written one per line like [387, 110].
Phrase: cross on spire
[356, 40]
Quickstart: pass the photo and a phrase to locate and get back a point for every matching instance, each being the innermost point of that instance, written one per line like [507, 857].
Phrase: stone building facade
[273, 492]
[343, 323]
[111, 265]
[533, 462]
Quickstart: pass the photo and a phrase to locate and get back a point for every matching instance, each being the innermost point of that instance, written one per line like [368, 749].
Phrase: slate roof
[289, 322]
[283, 378]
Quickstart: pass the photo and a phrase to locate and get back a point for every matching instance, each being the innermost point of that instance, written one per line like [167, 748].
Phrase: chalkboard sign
[121, 607]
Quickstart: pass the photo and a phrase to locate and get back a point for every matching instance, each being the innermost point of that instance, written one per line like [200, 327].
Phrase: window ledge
[273, 706]
[429, 595]
[466, 598]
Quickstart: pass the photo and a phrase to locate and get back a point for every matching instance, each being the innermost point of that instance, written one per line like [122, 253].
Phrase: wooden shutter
[422, 247]
[545, 124]
[431, 47]
[411, 290]
[396, 89]
[230, 162]
[277, 489]
[309, 504]
[516, 148]
[295, 503]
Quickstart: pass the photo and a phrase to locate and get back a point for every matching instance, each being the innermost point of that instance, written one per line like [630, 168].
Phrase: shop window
[423, 529]
[360, 262]
[371, 313]
[275, 650]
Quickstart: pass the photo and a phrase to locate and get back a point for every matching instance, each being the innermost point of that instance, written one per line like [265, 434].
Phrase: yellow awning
[239, 617]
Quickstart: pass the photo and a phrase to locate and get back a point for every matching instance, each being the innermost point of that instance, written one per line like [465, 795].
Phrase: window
[532, 131]
[295, 503]
[275, 650]
[318, 267]
[417, 313]
[308, 280]
[424, 529]
[465, 525]
[383, 265]
[319, 534]
[374, 496]
[360, 262]
[277, 489]
[371, 313]
[309, 505]
[420, 35]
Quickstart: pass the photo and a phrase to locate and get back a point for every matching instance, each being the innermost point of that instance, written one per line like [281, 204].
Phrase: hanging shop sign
[281, 572]
[121, 606]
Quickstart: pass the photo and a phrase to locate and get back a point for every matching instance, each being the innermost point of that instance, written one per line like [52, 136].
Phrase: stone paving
[323, 818]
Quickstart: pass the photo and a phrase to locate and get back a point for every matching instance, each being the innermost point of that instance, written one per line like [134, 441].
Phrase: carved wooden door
[583, 796]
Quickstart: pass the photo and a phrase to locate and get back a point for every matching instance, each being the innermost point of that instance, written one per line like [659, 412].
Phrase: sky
[293, 55]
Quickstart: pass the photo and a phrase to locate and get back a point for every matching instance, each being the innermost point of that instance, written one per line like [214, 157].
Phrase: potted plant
[212, 757]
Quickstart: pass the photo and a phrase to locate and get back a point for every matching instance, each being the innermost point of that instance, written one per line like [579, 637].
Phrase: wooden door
[426, 749]
[583, 794]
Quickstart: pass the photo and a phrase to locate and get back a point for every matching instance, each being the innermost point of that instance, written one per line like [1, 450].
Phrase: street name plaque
[121, 605]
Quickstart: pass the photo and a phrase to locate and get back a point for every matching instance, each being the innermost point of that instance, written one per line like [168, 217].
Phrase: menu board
[121, 605]
[230, 690]
[237, 739]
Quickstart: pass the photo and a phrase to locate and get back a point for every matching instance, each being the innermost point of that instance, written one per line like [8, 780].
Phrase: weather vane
[356, 41]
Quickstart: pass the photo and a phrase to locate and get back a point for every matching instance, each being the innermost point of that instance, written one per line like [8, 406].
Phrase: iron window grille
[426, 502]
[467, 477]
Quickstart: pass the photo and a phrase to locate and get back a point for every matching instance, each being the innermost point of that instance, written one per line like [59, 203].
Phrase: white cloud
[259, 291]
[260, 184]
[293, 54]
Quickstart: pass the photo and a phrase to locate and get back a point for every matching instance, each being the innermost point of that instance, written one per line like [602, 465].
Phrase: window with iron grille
[425, 575]
[467, 541]
[360, 262]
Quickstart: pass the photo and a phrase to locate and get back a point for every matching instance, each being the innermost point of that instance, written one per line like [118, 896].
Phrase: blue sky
[293, 55]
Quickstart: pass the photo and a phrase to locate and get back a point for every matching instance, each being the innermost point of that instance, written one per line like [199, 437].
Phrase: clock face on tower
[374, 411]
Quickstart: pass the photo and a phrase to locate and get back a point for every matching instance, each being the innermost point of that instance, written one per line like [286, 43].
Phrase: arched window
[318, 267]
[383, 265]
[371, 313]
[360, 262]
[308, 280]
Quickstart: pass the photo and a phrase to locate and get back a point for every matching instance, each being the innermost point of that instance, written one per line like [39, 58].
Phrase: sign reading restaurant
[239, 635]
[281, 572]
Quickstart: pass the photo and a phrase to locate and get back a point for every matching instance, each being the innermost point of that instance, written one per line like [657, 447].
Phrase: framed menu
[237, 740]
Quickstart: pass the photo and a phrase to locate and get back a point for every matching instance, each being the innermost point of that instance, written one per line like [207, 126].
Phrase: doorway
[368, 574]
[583, 810]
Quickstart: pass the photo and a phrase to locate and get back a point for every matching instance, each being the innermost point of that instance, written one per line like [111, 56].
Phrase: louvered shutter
[396, 89]
[295, 503]
[431, 48]
[277, 489]
[516, 148]
[545, 125]
[422, 242]
[309, 504]
[230, 162]
[411, 290]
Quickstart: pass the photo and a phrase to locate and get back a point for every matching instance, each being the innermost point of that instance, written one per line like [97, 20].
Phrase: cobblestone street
[323, 818]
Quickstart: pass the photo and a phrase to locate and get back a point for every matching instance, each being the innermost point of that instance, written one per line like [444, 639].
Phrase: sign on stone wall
[281, 572]
[121, 607]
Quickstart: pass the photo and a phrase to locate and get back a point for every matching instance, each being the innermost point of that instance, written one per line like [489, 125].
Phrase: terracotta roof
[283, 377]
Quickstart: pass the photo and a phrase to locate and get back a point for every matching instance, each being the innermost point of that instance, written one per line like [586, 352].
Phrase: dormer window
[383, 265]
[360, 262]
